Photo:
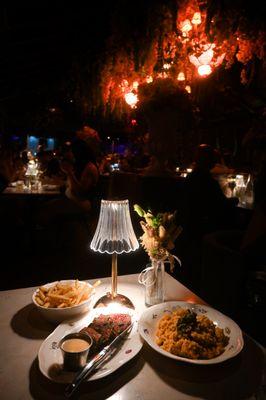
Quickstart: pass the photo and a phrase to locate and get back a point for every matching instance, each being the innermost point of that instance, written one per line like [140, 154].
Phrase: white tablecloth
[148, 376]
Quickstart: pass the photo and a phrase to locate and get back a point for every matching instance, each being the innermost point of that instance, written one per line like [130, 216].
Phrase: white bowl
[58, 315]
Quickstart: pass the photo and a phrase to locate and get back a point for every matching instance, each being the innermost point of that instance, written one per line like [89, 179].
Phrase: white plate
[149, 320]
[51, 360]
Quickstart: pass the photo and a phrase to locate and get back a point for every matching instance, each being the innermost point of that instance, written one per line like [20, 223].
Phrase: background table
[149, 376]
[42, 191]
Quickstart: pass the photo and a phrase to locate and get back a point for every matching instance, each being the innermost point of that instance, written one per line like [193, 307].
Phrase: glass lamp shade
[114, 235]
[114, 232]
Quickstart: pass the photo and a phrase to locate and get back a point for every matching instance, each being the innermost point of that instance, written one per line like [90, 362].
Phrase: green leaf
[139, 210]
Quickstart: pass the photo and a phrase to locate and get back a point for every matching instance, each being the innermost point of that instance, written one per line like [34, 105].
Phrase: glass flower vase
[154, 283]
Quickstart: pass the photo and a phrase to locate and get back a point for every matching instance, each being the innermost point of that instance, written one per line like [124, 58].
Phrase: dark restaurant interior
[161, 102]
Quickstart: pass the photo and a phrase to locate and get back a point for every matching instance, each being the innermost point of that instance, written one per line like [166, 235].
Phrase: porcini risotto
[186, 334]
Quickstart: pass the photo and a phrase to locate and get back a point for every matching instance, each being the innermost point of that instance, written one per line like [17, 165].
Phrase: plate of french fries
[66, 299]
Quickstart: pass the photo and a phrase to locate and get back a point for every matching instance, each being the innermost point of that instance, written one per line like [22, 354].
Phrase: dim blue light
[32, 143]
[50, 144]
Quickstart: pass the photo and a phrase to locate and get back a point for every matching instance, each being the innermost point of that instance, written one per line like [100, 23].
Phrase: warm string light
[204, 62]
[194, 48]
[181, 76]
[186, 26]
[183, 34]
[149, 79]
[131, 99]
[166, 66]
[196, 20]
[204, 70]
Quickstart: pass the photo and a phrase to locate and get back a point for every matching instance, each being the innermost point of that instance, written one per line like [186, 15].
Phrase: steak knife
[96, 362]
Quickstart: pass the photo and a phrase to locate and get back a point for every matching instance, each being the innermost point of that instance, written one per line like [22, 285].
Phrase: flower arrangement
[160, 232]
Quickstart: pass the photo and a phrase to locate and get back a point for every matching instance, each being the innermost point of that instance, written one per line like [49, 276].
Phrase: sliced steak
[104, 328]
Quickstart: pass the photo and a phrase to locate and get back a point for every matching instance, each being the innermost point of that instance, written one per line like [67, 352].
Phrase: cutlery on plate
[96, 361]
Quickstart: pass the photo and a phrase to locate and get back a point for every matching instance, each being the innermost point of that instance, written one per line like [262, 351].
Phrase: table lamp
[114, 235]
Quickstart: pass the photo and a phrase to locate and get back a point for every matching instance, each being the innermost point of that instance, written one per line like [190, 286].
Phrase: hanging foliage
[185, 40]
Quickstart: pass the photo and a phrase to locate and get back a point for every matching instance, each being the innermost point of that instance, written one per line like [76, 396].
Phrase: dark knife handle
[96, 361]
[90, 367]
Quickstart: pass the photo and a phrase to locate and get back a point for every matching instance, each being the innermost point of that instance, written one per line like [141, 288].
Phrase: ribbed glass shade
[114, 232]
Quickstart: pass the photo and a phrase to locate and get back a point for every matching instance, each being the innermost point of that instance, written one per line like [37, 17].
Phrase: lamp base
[107, 299]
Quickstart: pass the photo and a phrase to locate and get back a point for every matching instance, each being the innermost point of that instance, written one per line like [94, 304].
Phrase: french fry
[80, 294]
[62, 305]
[97, 283]
[62, 295]
[41, 295]
[39, 301]
[58, 297]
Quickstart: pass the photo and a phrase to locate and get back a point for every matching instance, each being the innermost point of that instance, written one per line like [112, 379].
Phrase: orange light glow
[166, 66]
[188, 89]
[181, 76]
[124, 85]
[205, 57]
[196, 20]
[149, 79]
[135, 85]
[131, 99]
[204, 70]
[186, 26]
[162, 75]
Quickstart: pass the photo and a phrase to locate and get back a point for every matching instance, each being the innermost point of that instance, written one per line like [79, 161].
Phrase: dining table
[48, 191]
[149, 375]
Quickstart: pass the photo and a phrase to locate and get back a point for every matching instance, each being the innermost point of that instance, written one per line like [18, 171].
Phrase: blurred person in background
[11, 168]
[208, 209]
[82, 174]
[67, 221]
[80, 169]
[220, 166]
[53, 173]
[7, 169]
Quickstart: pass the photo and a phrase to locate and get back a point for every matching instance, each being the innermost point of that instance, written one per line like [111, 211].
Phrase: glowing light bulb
[135, 85]
[166, 66]
[196, 20]
[149, 79]
[185, 26]
[188, 89]
[131, 99]
[124, 85]
[204, 70]
[181, 76]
